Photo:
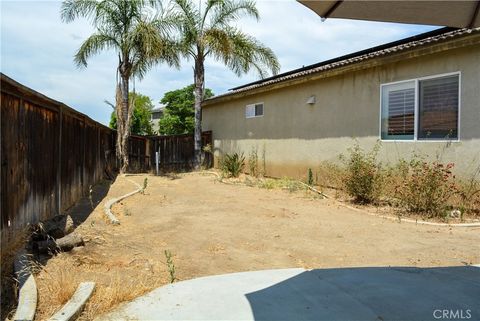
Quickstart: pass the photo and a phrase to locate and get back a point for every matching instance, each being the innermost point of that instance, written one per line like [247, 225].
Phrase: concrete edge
[108, 205]
[407, 220]
[75, 305]
[27, 295]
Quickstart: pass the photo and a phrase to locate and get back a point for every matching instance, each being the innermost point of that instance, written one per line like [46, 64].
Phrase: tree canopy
[139, 34]
[209, 29]
[179, 114]
[142, 113]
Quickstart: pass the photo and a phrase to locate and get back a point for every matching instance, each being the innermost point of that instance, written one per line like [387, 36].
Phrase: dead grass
[15, 241]
[58, 281]
[230, 228]
[117, 290]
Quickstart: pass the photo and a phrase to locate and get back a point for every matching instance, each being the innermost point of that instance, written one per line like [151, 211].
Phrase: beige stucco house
[420, 94]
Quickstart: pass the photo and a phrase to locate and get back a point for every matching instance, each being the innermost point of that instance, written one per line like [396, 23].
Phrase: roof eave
[374, 60]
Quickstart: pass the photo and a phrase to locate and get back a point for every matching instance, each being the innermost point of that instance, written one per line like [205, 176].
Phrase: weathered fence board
[51, 154]
[139, 154]
[176, 151]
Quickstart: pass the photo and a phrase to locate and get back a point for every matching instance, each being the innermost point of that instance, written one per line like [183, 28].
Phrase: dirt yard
[213, 228]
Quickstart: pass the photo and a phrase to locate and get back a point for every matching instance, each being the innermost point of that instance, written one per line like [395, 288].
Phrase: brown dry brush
[469, 193]
[419, 186]
[58, 281]
[427, 188]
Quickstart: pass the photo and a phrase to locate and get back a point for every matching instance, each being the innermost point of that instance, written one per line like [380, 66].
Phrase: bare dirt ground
[214, 228]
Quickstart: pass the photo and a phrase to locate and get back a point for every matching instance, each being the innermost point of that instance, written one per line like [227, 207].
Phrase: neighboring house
[420, 94]
[157, 114]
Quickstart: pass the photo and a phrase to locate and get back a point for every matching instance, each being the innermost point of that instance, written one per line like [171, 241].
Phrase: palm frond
[217, 42]
[190, 14]
[188, 22]
[228, 11]
[248, 53]
[210, 4]
[93, 45]
[148, 48]
[72, 9]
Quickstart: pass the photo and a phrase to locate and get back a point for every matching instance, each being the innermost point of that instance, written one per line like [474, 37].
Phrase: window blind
[438, 112]
[258, 109]
[250, 111]
[401, 112]
[253, 110]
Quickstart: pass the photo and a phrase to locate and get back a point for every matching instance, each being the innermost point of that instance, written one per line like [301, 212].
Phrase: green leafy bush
[310, 177]
[427, 187]
[363, 177]
[232, 164]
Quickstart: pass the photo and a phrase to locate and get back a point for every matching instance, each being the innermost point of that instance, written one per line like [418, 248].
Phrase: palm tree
[138, 34]
[208, 32]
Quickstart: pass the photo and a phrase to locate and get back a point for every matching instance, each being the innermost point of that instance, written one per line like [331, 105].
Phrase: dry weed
[114, 284]
[116, 291]
[56, 284]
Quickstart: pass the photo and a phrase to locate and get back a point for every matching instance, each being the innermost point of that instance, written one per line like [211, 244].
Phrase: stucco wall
[294, 136]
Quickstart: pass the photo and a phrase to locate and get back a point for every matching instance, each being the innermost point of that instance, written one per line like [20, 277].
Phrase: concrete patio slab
[371, 293]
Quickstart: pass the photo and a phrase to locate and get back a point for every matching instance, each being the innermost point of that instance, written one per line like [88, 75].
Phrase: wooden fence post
[59, 165]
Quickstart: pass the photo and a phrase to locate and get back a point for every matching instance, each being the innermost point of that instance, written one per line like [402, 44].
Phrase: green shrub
[363, 177]
[310, 177]
[427, 187]
[232, 164]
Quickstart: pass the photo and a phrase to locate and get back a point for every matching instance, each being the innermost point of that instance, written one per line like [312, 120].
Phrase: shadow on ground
[84, 207]
[377, 293]
[80, 212]
[346, 294]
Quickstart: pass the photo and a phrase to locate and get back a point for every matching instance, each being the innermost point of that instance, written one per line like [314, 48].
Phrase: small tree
[179, 114]
[142, 112]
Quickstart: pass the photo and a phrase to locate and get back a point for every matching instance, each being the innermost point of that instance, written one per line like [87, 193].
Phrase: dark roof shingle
[434, 36]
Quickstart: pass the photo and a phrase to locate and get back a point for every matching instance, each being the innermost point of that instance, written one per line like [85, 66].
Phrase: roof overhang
[432, 42]
[460, 14]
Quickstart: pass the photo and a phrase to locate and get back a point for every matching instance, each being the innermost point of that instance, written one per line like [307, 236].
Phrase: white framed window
[421, 109]
[254, 110]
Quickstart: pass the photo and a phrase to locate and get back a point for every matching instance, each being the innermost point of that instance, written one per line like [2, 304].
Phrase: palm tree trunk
[118, 111]
[123, 125]
[199, 75]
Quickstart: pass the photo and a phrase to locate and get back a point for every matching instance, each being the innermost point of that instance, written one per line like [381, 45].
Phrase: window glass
[250, 111]
[253, 110]
[438, 109]
[259, 110]
[398, 111]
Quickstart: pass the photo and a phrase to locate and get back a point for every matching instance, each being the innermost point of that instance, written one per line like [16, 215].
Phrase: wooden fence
[175, 152]
[50, 156]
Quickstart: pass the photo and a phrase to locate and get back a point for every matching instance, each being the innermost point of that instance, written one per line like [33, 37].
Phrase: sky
[37, 50]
